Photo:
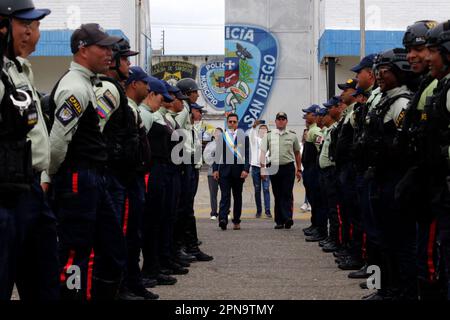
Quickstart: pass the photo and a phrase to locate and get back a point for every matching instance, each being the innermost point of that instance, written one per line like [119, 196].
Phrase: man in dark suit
[231, 168]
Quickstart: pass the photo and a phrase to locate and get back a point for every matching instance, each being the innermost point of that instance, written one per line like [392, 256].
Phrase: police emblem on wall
[212, 84]
[250, 63]
[172, 71]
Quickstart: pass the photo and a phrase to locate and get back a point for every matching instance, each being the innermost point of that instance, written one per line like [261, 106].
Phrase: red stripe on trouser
[89, 275]
[350, 234]
[125, 216]
[430, 251]
[62, 276]
[75, 182]
[340, 223]
[364, 246]
[146, 181]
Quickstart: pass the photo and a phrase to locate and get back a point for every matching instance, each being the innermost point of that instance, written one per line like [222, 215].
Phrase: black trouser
[329, 182]
[349, 209]
[319, 207]
[89, 233]
[441, 205]
[171, 200]
[185, 226]
[28, 246]
[230, 184]
[398, 237]
[128, 196]
[154, 211]
[282, 188]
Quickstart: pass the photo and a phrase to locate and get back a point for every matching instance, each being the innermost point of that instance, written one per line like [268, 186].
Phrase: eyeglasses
[232, 121]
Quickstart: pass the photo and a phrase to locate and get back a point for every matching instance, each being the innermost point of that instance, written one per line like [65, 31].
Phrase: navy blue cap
[360, 91]
[136, 74]
[158, 86]
[312, 109]
[31, 14]
[349, 84]
[196, 106]
[366, 62]
[175, 91]
[322, 112]
[334, 101]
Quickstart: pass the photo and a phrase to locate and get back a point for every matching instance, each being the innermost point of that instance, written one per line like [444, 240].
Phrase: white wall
[48, 70]
[383, 14]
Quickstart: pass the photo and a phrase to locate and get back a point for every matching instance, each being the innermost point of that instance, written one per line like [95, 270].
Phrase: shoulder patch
[104, 107]
[109, 96]
[73, 102]
[65, 114]
[400, 119]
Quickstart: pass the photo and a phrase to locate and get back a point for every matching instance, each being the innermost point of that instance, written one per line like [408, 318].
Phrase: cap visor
[181, 96]
[167, 97]
[342, 86]
[32, 14]
[356, 68]
[108, 41]
[130, 54]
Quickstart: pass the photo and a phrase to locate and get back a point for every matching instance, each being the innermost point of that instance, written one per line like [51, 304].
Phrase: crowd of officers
[376, 168]
[87, 180]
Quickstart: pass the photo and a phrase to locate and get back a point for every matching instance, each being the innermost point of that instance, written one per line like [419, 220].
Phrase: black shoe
[341, 252]
[163, 280]
[289, 224]
[149, 283]
[316, 237]
[279, 226]
[199, 243]
[360, 274]
[363, 285]
[351, 264]
[174, 268]
[223, 224]
[258, 215]
[324, 242]
[182, 255]
[145, 294]
[307, 229]
[200, 255]
[127, 295]
[182, 263]
[330, 247]
[268, 215]
[311, 232]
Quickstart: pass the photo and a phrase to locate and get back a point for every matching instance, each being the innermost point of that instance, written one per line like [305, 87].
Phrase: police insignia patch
[401, 117]
[73, 102]
[65, 114]
[110, 98]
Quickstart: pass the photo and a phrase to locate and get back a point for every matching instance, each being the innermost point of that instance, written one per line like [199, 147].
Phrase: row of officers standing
[87, 180]
[376, 168]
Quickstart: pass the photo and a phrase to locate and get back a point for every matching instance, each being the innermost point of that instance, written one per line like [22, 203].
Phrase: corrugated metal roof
[56, 43]
[338, 43]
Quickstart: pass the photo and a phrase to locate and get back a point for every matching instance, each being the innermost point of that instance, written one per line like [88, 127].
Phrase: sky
[191, 27]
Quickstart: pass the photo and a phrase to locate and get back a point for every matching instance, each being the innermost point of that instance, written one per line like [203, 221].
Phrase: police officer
[386, 168]
[317, 230]
[122, 127]
[417, 178]
[284, 150]
[328, 176]
[186, 229]
[27, 225]
[435, 126]
[89, 231]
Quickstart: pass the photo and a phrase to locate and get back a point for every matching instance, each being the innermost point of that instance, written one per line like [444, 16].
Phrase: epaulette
[292, 131]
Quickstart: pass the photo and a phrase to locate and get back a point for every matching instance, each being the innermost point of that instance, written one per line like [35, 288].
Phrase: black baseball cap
[281, 115]
[175, 91]
[91, 34]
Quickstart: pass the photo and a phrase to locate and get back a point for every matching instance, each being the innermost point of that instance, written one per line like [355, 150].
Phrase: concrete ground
[258, 262]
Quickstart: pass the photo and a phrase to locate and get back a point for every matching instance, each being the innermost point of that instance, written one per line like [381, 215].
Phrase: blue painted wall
[338, 43]
[56, 43]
